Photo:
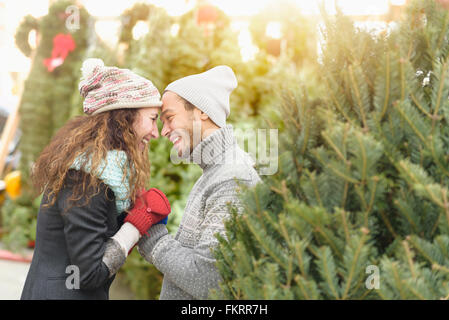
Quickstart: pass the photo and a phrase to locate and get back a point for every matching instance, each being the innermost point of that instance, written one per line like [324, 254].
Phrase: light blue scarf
[111, 173]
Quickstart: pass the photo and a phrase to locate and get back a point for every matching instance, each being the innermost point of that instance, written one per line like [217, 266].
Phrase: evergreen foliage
[46, 101]
[363, 174]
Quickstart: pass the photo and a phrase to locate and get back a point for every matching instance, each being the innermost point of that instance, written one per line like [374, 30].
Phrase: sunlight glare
[365, 7]
[140, 29]
[308, 7]
[174, 30]
[107, 30]
[247, 49]
[274, 30]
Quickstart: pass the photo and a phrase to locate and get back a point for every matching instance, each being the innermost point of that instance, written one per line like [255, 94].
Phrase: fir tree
[363, 175]
[46, 101]
[50, 98]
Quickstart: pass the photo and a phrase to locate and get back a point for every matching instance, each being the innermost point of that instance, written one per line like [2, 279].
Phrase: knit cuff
[114, 256]
[142, 220]
[147, 243]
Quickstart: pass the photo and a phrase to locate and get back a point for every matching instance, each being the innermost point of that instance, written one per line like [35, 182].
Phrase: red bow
[62, 45]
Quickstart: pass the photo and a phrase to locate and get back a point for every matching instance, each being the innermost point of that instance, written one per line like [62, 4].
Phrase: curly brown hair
[92, 136]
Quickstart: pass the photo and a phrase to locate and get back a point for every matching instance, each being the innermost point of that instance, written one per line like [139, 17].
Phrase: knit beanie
[208, 91]
[107, 88]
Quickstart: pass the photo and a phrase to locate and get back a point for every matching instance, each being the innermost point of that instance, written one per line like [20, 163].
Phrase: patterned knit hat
[108, 88]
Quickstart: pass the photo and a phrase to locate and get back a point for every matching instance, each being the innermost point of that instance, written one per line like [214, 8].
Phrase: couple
[92, 174]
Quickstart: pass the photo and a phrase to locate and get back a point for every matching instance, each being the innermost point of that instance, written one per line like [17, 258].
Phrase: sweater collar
[212, 149]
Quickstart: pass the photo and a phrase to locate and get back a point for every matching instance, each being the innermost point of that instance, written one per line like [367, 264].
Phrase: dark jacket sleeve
[85, 228]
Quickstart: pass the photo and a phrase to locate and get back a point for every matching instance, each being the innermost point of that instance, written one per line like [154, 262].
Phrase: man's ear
[203, 116]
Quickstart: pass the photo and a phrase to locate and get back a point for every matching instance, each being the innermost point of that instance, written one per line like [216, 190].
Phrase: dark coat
[73, 237]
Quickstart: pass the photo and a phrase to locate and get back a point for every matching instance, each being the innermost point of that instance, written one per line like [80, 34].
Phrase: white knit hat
[208, 91]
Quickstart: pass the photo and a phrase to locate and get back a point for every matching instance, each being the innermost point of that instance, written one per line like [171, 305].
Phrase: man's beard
[194, 136]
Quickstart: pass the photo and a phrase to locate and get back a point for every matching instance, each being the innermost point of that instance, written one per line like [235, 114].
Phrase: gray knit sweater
[186, 260]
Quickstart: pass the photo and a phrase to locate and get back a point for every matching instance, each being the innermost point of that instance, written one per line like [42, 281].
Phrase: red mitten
[150, 208]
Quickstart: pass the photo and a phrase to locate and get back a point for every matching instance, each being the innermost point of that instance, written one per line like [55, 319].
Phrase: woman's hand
[151, 207]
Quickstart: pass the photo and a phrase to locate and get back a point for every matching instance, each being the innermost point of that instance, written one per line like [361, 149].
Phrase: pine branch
[326, 266]
[354, 263]
[387, 87]
[357, 96]
[265, 241]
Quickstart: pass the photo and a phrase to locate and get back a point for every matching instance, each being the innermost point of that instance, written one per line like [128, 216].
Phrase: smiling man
[194, 113]
[183, 123]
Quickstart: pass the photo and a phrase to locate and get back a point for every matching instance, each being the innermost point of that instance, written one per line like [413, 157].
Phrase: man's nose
[165, 131]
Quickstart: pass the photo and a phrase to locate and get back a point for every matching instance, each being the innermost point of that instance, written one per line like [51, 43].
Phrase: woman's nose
[155, 132]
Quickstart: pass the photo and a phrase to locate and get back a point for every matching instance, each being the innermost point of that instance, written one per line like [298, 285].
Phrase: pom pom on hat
[89, 66]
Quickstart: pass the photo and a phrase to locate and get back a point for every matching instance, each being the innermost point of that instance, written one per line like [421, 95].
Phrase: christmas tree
[62, 39]
[359, 207]
[46, 101]
[65, 37]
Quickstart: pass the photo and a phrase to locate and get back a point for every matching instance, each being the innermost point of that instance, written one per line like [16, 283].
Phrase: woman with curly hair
[91, 173]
